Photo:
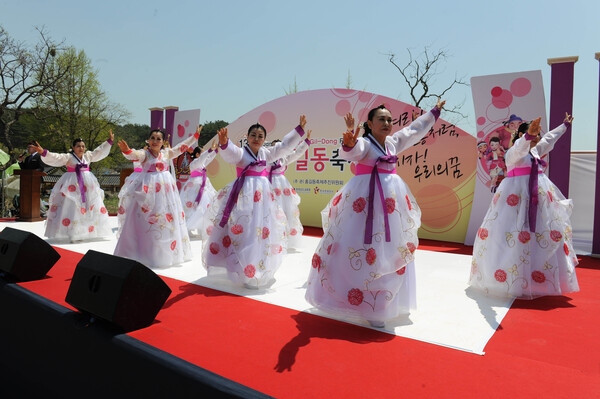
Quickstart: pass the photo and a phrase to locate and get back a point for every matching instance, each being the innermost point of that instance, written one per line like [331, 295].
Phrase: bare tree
[420, 75]
[25, 75]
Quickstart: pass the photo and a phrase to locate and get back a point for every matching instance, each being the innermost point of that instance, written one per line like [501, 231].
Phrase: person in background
[523, 248]
[286, 195]
[247, 239]
[198, 192]
[76, 205]
[363, 266]
[33, 160]
[153, 230]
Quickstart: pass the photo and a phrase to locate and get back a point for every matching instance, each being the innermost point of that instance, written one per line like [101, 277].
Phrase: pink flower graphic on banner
[359, 204]
[250, 270]
[355, 296]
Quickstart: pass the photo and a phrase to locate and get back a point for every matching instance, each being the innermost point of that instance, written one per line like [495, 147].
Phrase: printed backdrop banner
[184, 126]
[440, 169]
[502, 102]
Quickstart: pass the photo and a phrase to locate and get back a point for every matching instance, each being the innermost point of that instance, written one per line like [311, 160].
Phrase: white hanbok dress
[153, 231]
[198, 193]
[125, 191]
[363, 266]
[248, 237]
[76, 205]
[286, 194]
[513, 256]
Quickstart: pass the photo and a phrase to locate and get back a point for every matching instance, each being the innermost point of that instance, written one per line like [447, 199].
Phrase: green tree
[79, 108]
[26, 73]
[209, 131]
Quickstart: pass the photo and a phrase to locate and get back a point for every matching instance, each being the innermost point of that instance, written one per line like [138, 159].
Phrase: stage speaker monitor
[25, 256]
[119, 290]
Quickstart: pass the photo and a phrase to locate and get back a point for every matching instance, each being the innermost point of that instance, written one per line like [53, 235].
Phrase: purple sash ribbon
[235, 190]
[78, 169]
[533, 191]
[198, 173]
[375, 180]
[276, 165]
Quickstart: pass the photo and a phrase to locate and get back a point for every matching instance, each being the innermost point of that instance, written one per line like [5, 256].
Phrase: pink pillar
[170, 121]
[596, 227]
[561, 101]
[156, 118]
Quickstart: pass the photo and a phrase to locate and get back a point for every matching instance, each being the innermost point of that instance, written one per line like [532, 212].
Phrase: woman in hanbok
[154, 232]
[76, 205]
[524, 247]
[198, 193]
[248, 237]
[125, 191]
[286, 194]
[363, 267]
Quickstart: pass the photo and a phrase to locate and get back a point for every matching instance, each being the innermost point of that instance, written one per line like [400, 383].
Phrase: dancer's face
[381, 125]
[256, 138]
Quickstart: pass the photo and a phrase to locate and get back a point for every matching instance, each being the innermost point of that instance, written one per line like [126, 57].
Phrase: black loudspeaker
[119, 290]
[25, 256]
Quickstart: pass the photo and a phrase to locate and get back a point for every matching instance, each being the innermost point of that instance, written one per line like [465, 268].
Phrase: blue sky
[228, 57]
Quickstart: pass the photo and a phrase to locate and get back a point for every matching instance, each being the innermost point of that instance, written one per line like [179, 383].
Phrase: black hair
[370, 117]
[523, 127]
[77, 140]
[257, 126]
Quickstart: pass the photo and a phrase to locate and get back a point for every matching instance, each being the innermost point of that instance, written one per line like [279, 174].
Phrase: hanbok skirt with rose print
[252, 244]
[509, 260]
[373, 281]
[69, 217]
[289, 200]
[196, 212]
[153, 231]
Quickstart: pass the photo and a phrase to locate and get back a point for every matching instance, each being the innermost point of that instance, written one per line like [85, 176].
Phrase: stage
[215, 338]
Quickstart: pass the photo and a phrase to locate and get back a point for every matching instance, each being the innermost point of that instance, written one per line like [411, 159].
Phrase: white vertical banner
[502, 102]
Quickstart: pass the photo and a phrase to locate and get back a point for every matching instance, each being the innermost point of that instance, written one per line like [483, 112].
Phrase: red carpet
[547, 347]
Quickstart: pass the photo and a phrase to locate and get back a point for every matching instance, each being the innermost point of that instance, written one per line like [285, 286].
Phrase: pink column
[156, 118]
[170, 121]
[596, 227]
[561, 101]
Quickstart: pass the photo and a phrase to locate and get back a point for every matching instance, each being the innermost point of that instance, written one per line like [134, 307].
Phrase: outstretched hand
[111, 135]
[302, 121]
[123, 146]
[568, 118]
[440, 104]
[223, 137]
[38, 147]
[534, 127]
[350, 137]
